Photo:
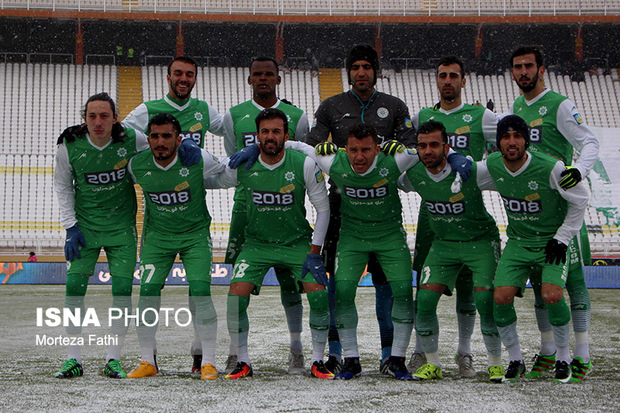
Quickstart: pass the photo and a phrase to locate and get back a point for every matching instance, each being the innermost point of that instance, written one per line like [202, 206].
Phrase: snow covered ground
[27, 382]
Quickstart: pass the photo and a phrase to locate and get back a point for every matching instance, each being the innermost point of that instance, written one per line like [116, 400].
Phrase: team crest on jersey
[383, 112]
[578, 118]
[289, 176]
[542, 111]
[122, 152]
[412, 151]
[408, 123]
[198, 116]
[467, 118]
[184, 172]
[383, 172]
[533, 185]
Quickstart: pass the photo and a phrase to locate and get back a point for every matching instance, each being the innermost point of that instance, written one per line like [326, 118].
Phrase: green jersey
[240, 129]
[276, 200]
[469, 128]
[542, 117]
[369, 201]
[174, 196]
[194, 115]
[456, 211]
[534, 208]
[103, 197]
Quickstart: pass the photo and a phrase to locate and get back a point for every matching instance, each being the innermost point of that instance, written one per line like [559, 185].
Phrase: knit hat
[512, 123]
[362, 52]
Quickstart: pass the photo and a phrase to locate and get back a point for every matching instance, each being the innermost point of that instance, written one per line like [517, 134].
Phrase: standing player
[239, 133]
[196, 118]
[557, 129]
[336, 115]
[278, 235]
[543, 218]
[465, 235]
[176, 220]
[92, 188]
[469, 130]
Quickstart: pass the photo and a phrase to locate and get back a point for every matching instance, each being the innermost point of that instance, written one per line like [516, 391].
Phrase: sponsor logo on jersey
[121, 164]
[247, 116]
[408, 123]
[578, 118]
[319, 176]
[463, 129]
[276, 199]
[195, 127]
[181, 186]
[170, 198]
[523, 206]
[105, 177]
[383, 112]
[445, 208]
[287, 188]
[366, 193]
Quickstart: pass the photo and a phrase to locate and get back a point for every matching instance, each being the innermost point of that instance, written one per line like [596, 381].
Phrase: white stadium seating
[39, 100]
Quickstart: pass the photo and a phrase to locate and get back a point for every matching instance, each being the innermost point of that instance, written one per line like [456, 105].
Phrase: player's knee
[552, 294]
[504, 295]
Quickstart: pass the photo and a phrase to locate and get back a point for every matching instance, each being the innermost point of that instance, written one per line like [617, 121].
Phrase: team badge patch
[289, 176]
[384, 172]
[542, 111]
[319, 176]
[467, 118]
[122, 152]
[408, 123]
[383, 113]
[533, 185]
[578, 119]
[198, 116]
[184, 172]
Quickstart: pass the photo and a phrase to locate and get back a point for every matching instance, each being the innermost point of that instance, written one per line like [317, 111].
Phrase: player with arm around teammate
[465, 235]
[470, 129]
[558, 129]
[278, 235]
[176, 222]
[240, 132]
[98, 209]
[543, 218]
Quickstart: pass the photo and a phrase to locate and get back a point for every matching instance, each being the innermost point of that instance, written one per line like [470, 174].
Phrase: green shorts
[446, 260]
[390, 248]
[159, 251]
[236, 235]
[257, 258]
[518, 263]
[120, 247]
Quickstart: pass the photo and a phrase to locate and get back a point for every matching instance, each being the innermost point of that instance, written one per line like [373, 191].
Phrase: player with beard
[543, 219]
[470, 128]
[196, 118]
[558, 129]
[278, 235]
[240, 132]
[465, 235]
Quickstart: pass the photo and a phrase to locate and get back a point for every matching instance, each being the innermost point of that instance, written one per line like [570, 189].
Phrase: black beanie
[362, 52]
[515, 123]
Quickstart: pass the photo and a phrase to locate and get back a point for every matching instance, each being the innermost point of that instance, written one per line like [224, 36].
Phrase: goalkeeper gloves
[326, 148]
[569, 177]
[74, 239]
[392, 147]
[555, 252]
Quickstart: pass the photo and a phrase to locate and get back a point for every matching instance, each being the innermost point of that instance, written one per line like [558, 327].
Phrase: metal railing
[332, 7]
